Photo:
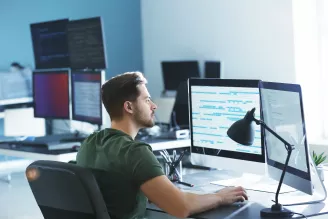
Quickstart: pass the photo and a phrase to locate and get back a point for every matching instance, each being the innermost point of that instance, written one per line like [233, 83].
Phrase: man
[133, 173]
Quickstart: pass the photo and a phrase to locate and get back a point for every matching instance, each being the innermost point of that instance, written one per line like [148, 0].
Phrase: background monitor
[86, 44]
[282, 111]
[212, 69]
[180, 107]
[174, 72]
[51, 94]
[86, 96]
[14, 89]
[214, 105]
[50, 44]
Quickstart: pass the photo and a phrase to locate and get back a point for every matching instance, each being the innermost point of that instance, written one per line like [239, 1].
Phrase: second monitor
[214, 104]
[51, 94]
[86, 96]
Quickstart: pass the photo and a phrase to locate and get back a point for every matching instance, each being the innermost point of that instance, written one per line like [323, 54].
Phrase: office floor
[16, 199]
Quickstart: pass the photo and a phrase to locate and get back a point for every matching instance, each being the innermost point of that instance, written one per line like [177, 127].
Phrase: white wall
[253, 38]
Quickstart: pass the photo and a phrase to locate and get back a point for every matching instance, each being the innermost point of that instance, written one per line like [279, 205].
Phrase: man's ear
[128, 107]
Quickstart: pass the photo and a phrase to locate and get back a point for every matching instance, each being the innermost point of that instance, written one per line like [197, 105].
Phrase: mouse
[240, 203]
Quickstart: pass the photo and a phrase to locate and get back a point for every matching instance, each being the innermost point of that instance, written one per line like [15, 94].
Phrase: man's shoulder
[139, 145]
[107, 137]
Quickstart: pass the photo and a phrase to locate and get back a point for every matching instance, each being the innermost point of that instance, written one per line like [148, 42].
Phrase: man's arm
[161, 191]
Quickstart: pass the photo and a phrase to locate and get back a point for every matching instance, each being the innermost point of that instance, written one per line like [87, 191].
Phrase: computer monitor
[212, 69]
[86, 44]
[214, 105]
[174, 72]
[14, 90]
[180, 111]
[50, 44]
[86, 96]
[282, 111]
[51, 94]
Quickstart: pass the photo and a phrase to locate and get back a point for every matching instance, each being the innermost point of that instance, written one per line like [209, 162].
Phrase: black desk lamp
[242, 131]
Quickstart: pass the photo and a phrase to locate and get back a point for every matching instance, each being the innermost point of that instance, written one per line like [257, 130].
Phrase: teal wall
[121, 23]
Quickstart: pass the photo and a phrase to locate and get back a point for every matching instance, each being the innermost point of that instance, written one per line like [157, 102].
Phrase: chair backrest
[66, 191]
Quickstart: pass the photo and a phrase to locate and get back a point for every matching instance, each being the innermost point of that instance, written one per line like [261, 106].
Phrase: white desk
[249, 210]
[65, 157]
[16, 101]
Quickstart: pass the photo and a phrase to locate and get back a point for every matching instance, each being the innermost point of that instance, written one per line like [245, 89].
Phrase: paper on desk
[254, 182]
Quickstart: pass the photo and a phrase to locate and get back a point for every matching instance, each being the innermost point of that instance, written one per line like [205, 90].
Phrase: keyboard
[255, 182]
[50, 142]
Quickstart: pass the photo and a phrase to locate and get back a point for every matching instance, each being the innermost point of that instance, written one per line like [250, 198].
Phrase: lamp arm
[282, 175]
[289, 148]
[260, 122]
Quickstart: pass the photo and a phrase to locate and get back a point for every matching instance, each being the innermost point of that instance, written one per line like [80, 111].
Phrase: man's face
[144, 113]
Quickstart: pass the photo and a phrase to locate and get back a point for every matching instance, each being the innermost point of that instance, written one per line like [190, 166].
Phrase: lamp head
[242, 131]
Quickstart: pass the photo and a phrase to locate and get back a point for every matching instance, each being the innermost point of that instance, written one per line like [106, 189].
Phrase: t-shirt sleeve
[143, 164]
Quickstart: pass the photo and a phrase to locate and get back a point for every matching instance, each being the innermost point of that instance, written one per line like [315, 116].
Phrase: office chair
[66, 191]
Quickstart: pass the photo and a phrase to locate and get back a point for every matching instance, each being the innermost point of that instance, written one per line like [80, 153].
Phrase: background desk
[11, 166]
[250, 209]
[67, 155]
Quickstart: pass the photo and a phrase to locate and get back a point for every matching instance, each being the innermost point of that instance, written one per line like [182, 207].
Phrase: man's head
[126, 96]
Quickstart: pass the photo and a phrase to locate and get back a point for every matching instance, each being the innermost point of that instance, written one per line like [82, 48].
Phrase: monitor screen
[86, 96]
[214, 105]
[51, 94]
[174, 72]
[282, 111]
[212, 69]
[86, 44]
[50, 44]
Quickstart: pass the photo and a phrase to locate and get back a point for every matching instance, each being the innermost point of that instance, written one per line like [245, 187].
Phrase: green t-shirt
[128, 164]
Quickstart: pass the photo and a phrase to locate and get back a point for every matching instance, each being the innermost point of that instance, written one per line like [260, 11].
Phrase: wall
[121, 22]
[253, 39]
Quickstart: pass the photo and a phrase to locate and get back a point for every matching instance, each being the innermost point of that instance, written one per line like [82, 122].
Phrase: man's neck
[125, 126]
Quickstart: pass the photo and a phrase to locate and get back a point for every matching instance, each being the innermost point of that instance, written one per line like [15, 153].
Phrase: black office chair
[65, 191]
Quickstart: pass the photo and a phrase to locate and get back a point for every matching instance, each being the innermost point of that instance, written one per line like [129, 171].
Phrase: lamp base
[276, 211]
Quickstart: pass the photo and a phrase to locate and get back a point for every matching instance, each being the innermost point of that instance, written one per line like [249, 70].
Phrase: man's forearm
[200, 203]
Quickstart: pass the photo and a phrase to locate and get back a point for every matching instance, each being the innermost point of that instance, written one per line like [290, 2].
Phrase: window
[310, 20]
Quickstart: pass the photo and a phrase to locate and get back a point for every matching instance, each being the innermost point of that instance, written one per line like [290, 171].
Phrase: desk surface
[250, 209]
[67, 155]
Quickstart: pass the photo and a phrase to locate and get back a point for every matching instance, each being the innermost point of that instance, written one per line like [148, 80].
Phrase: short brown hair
[121, 88]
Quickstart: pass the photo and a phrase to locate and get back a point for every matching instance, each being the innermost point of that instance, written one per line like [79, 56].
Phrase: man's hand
[231, 195]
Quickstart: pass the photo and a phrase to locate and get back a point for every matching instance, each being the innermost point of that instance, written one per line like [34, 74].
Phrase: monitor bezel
[259, 158]
[74, 116]
[291, 88]
[48, 71]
